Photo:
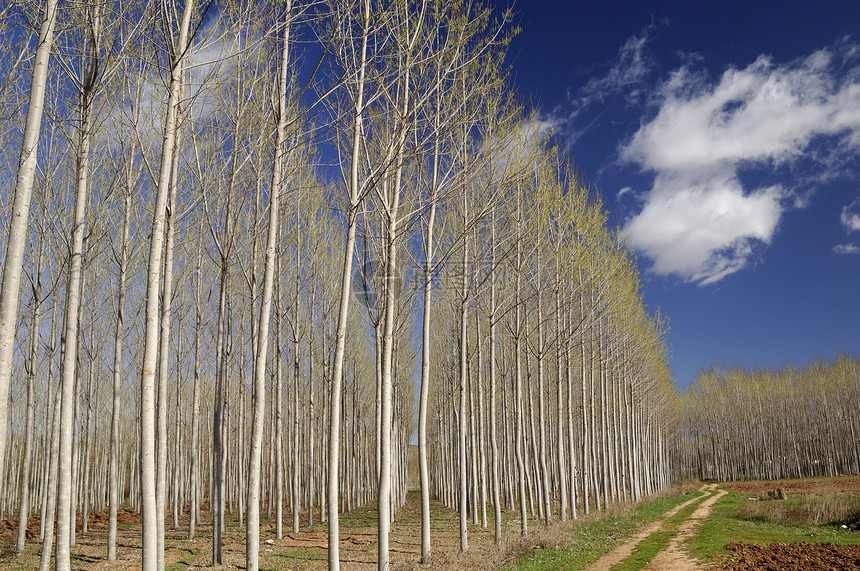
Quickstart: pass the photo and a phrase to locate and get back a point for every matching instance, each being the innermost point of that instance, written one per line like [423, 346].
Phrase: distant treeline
[763, 424]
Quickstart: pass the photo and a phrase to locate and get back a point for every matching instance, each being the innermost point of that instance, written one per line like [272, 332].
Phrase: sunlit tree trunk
[151, 557]
[497, 507]
[35, 323]
[519, 422]
[65, 491]
[10, 291]
[164, 351]
[47, 543]
[195, 478]
[252, 541]
[354, 196]
[463, 364]
[118, 368]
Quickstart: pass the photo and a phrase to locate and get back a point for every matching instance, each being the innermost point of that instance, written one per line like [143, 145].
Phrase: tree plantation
[799, 423]
[255, 251]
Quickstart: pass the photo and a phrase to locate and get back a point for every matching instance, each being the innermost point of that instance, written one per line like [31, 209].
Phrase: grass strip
[194, 556]
[657, 541]
[593, 537]
[727, 523]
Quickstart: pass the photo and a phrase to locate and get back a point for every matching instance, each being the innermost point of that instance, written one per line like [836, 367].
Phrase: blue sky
[724, 138]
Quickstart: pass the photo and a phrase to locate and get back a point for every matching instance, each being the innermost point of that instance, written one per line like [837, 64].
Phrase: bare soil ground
[297, 551]
[793, 557]
[624, 550]
[797, 556]
[805, 485]
[674, 557]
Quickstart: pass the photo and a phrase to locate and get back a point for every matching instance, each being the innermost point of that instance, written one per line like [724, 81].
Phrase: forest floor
[297, 551]
[741, 526]
[734, 526]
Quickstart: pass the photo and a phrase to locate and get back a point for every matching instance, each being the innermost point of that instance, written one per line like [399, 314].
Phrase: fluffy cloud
[630, 68]
[698, 221]
[846, 249]
[851, 216]
[626, 78]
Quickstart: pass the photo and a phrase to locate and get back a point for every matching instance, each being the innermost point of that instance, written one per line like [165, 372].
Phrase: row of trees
[554, 390]
[798, 423]
[227, 231]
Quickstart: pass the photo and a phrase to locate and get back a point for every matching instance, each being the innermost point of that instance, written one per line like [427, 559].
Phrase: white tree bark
[164, 350]
[10, 291]
[149, 508]
[332, 489]
[195, 478]
[47, 543]
[118, 373]
[35, 321]
[65, 498]
[252, 541]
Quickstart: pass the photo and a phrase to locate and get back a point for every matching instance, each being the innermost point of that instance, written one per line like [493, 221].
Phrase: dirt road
[673, 558]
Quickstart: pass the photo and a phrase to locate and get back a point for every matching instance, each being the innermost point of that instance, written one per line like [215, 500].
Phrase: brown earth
[675, 556]
[304, 550]
[96, 520]
[805, 485]
[624, 550]
[792, 557]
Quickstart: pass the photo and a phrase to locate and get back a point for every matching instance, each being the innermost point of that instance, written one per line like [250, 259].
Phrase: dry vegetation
[815, 501]
[307, 549]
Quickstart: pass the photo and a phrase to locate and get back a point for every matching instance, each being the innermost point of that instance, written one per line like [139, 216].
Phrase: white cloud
[851, 216]
[629, 69]
[515, 150]
[622, 192]
[626, 77]
[698, 221]
[846, 249]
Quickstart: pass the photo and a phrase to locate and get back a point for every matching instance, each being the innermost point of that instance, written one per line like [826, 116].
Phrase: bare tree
[178, 47]
[14, 261]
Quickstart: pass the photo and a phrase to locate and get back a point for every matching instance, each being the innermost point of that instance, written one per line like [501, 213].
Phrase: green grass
[646, 550]
[591, 538]
[657, 541]
[194, 556]
[730, 521]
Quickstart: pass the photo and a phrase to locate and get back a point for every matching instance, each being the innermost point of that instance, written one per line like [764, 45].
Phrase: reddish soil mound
[792, 557]
[839, 484]
[102, 518]
[9, 528]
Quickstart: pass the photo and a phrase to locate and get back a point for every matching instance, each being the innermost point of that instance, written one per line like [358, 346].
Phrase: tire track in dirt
[674, 557]
[624, 550]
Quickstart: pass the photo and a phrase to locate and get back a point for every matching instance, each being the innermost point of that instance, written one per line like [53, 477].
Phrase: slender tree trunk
[497, 507]
[216, 496]
[461, 435]
[65, 498]
[10, 291]
[542, 436]
[35, 322]
[252, 541]
[481, 431]
[562, 468]
[151, 557]
[518, 375]
[343, 307]
[164, 351]
[194, 512]
[47, 544]
[52, 438]
[118, 374]
[279, 432]
[425, 371]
